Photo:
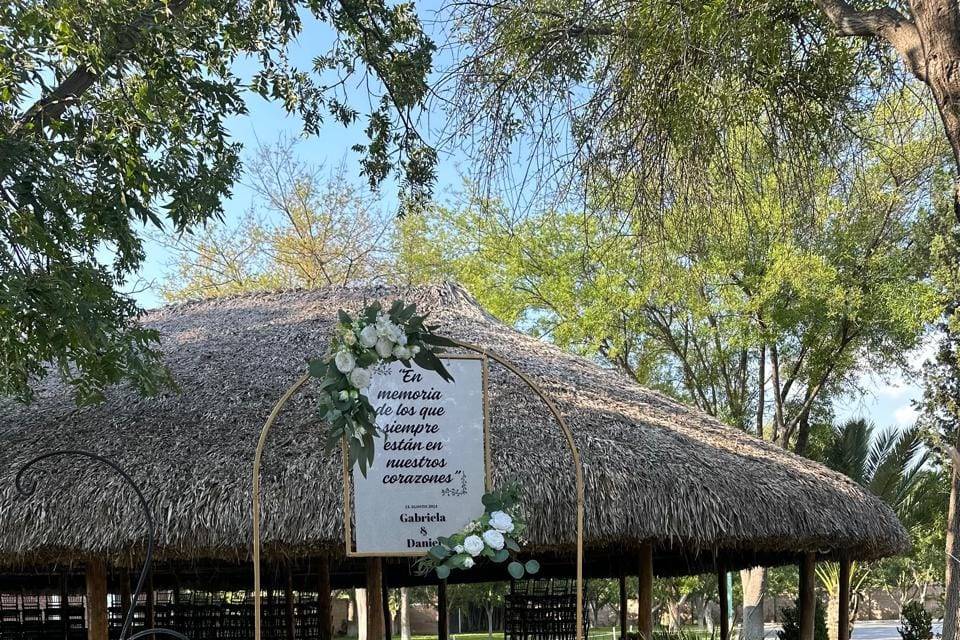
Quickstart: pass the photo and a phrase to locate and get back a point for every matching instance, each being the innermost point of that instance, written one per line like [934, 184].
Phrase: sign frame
[348, 511]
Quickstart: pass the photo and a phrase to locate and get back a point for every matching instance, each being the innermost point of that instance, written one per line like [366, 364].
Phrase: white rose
[396, 333]
[401, 338]
[384, 348]
[473, 545]
[401, 353]
[360, 378]
[467, 563]
[345, 361]
[458, 548]
[383, 326]
[494, 539]
[368, 337]
[414, 350]
[501, 521]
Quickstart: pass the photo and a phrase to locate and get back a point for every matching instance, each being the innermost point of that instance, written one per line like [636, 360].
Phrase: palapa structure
[669, 490]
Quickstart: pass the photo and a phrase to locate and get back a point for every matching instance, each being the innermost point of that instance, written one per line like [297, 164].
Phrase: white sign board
[429, 468]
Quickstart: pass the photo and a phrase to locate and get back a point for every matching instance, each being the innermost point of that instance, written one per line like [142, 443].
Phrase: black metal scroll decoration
[27, 487]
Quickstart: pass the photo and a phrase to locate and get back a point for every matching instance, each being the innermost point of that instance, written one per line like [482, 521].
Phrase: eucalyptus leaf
[317, 368]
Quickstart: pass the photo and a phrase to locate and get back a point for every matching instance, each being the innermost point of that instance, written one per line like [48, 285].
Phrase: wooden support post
[724, 598]
[151, 620]
[124, 592]
[97, 600]
[288, 600]
[385, 596]
[177, 611]
[843, 617]
[623, 603]
[645, 595]
[64, 605]
[808, 596]
[443, 627]
[324, 604]
[375, 623]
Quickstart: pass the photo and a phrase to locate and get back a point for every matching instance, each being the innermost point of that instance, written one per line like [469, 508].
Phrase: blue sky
[886, 400]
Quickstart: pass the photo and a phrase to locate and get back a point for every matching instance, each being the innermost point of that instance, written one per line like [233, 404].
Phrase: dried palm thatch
[655, 470]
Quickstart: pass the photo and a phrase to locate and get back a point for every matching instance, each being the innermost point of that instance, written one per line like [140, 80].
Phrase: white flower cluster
[347, 364]
[500, 523]
[387, 339]
[384, 336]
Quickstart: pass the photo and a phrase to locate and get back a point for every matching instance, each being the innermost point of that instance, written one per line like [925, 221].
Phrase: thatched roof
[655, 469]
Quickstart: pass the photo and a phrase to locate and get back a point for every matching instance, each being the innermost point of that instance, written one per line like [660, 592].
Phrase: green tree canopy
[765, 287]
[306, 228]
[113, 117]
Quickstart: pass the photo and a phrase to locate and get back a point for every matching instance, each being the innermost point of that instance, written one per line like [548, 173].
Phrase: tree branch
[53, 105]
[953, 453]
[887, 23]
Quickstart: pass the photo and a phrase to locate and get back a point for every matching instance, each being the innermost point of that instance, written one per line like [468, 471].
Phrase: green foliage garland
[360, 344]
[495, 535]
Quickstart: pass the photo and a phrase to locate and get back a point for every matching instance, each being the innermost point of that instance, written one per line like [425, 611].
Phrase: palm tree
[890, 464]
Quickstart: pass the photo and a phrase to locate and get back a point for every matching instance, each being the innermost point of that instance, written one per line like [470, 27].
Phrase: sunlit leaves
[830, 268]
[600, 90]
[137, 137]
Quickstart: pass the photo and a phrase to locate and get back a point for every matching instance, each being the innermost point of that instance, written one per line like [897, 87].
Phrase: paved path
[867, 630]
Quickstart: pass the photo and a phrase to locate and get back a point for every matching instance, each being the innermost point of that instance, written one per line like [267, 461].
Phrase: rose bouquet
[495, 536]
[375, 336]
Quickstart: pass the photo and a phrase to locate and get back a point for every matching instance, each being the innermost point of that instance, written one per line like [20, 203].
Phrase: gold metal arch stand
[571, 444]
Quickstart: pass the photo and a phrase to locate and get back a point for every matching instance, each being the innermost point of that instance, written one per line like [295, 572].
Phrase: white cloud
[905, 415]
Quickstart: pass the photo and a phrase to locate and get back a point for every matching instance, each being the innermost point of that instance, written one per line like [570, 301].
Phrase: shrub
[916, 623]
[791, 623]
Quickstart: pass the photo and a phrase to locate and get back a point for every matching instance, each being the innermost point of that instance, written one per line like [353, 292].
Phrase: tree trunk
[623, 604]
[404, 614]
[708, 621]
[754, 588]
[833, 616]
[951, 605]
[803, 433]
[938, 25]
[360, 597]
[673, 611]
[489, 622]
